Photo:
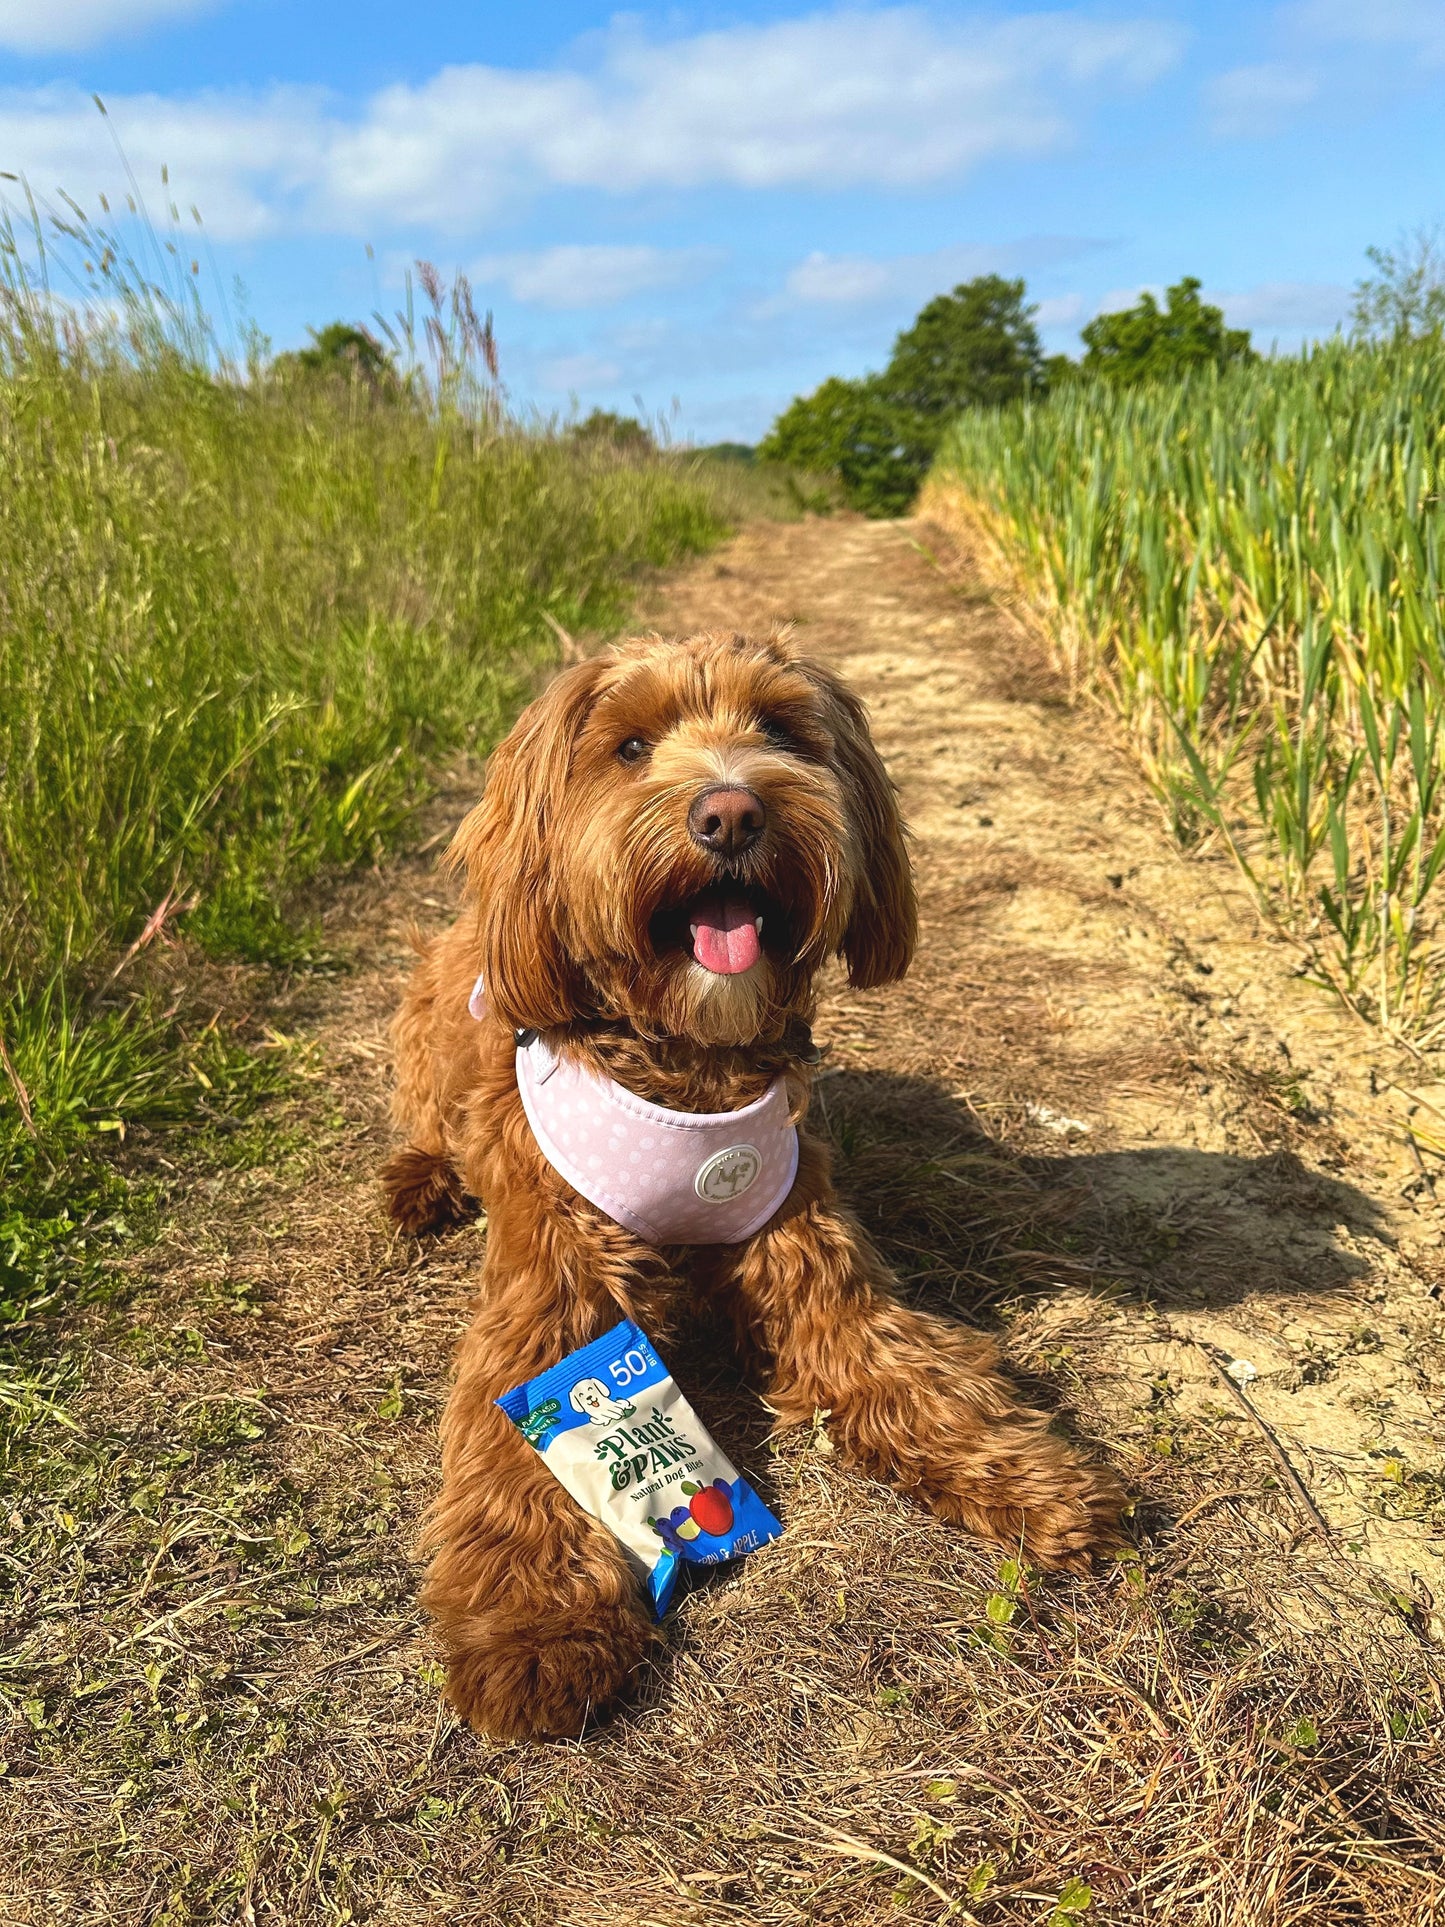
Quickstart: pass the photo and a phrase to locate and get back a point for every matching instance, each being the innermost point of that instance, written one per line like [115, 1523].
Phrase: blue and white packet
[619, 1435]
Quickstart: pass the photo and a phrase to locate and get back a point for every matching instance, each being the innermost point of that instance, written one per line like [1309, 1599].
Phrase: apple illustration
[711, 1507]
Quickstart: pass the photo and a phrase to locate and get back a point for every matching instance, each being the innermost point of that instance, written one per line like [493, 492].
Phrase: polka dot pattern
[673, 1177]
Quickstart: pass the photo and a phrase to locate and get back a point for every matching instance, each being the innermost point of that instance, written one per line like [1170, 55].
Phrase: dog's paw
[1042, 1499]
[422, 1191]
[514, 1680]
[1080, 1521]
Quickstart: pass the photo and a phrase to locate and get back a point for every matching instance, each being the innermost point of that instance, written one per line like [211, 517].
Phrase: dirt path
[1102, 1116]
[1104, 1006]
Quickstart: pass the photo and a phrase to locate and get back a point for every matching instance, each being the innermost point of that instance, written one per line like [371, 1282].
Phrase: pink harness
[672, 1177]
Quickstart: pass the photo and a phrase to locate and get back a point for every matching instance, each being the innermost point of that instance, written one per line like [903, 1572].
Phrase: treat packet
[618, 1434]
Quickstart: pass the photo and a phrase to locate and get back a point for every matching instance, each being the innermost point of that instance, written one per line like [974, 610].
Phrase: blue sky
[712, 207]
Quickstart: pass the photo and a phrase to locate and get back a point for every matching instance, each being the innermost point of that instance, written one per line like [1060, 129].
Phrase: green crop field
[1252, 566]
[246, 613]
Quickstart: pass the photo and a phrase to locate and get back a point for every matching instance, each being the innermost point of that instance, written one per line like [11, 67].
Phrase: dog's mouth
[724, 929]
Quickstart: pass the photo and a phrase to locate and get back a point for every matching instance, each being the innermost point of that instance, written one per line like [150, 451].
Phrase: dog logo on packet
[615, 1431]
[728, 1174]
[591, 1397]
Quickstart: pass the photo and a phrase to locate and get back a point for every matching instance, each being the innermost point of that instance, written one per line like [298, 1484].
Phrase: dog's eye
[777, 733]
[633, 750]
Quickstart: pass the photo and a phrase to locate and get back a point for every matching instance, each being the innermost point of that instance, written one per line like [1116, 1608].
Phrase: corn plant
[1251, 566]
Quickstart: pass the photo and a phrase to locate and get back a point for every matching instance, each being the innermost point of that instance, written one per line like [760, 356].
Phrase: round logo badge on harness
[727, 1174]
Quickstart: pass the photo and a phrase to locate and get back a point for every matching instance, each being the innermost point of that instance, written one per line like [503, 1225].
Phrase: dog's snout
[727, 821]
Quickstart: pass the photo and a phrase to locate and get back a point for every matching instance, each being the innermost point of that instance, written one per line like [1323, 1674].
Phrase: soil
[1104, 1116]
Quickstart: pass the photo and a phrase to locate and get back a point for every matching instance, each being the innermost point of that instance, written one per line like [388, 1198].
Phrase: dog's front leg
[913, 1400]
[542, 1618]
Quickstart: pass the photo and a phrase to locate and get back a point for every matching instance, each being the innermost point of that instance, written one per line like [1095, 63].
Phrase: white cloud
[645, 335]
[1417, 24]
[1256, 100]
[841, 278]
[54, 26]
[1288, 307]
[856, 280]
[1311, 307]
[590, 276]
[573, 374]
[1060, 311]
[1295, 307]
[247, 163]
[833, 100]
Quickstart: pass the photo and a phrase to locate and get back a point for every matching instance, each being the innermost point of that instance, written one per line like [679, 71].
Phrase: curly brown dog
[672, 842]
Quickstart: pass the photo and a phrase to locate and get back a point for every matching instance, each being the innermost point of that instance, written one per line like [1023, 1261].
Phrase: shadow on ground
[960, 1213]
[982, 1230]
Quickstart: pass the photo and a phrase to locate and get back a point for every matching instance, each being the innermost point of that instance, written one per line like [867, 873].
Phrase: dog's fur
[579, 866]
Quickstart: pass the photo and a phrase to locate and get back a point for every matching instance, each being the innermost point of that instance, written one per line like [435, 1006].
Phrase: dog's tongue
[725, 935]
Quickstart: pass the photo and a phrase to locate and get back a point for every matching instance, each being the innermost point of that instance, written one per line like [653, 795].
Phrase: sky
[700, 211]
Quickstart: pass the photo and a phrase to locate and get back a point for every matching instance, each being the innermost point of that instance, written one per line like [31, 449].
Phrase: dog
[671, 844]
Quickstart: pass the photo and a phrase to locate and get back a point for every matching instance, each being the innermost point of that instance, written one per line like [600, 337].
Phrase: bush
[852, 430]
[1404, 299]
[1150, 343]
[341, 352]
[623, 433]
[976, 347]
[742, 452]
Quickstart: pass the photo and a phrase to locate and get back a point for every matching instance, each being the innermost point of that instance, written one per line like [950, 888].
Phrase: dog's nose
[727, 821]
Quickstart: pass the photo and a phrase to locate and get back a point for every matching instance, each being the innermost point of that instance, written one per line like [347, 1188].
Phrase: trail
[1119, 1013]
[1103, 1115]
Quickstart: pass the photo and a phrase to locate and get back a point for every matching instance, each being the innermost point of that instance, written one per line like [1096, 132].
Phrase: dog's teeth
[758, 925]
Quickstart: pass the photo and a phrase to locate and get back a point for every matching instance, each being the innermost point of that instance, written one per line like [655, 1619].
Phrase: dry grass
[224, 1706]
[228, 1709]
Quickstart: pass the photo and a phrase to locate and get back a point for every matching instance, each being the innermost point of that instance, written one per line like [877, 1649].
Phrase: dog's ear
[505, 846]
[882, 930]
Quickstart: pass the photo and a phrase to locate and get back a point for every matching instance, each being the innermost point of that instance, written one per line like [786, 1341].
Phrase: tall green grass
[243, 620]
[1252, 566]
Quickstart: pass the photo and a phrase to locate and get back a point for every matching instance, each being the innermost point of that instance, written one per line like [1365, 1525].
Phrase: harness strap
[670, 1177]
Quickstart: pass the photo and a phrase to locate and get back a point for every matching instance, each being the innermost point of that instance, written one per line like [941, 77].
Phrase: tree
[976, 347]
[851, 429]
[341, 351]
[624, 433]
[1405, 299]
[742, 452]
[1150, 343]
